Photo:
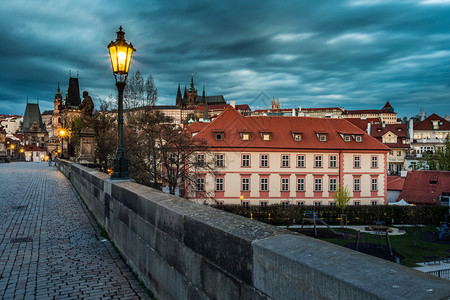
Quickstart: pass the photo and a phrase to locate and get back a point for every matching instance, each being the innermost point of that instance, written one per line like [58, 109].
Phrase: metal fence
[445, 274]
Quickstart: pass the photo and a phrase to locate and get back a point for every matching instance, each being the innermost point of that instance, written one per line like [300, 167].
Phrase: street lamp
[120, 53]
[62, 133]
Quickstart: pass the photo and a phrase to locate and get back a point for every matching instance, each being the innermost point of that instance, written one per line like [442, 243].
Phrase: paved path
[50, 248]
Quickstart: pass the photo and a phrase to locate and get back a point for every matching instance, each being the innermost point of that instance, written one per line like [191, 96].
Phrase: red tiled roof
[362, 124]
[418, 189]
[223, 106]
[18, 135]
[395, 183]
[196, 127]
[321, 109]
[33, 148]
[365, 111]
[232, 123]
[394, 128]
[427, 125]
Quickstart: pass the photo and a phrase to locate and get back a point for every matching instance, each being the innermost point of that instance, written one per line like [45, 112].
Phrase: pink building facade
[262, 160]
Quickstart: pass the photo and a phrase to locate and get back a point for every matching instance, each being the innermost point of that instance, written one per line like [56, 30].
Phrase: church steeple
[179, 99]
[206, 115]
[192, 88]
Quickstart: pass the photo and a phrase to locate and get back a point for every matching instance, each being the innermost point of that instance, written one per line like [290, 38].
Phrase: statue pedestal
[87, 146]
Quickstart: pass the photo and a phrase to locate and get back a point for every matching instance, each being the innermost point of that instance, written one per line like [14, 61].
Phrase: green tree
[438, 160]
[341, 197]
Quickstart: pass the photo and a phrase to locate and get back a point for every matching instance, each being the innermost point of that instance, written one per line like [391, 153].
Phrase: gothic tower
[179, 101]
[191, 93]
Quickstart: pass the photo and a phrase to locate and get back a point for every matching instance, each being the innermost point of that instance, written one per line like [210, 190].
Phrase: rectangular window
[263, 204]
[300, 203]
[297, 137]
[347, 138]
[285, 184]
[284, 203]
[356, 185]
[219, 160]
[245, 204]
[374, 162]
[264, 161]
[200, 160]
[318, 161]
[333, 161]
[399, 153]
[317, 203]
[200, 184]
[218, 136]
[332, 204]
[374, 202]
[285, 161]
[357, 162]
[264, 184]
[374, 184]
[358, 138]
[357, 203]
[333, 184]
[245, 184]
[266, 136]
[318, 185]
[300, 161]
[245, 136]
[300, 184]
[246, 160]
[219, 184]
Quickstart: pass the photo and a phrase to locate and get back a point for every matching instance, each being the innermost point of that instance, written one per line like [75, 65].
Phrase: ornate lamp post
[62, 133]
[120, 53]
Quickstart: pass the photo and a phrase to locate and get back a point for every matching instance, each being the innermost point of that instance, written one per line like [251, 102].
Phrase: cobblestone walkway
[50, 248]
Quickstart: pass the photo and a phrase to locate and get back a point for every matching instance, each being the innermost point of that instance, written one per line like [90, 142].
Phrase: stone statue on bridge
[87, 108]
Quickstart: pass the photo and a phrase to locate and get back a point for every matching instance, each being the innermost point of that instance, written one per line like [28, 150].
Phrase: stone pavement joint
[50, 247]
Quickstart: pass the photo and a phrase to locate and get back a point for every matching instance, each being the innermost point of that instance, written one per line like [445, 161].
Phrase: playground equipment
[311, 217]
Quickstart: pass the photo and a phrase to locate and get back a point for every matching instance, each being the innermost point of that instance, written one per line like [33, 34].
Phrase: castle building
[33, 129]
[191, 99]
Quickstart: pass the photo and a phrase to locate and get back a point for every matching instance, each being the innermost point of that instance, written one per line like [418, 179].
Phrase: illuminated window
[245, 136]
[266, 136]
[297, 137]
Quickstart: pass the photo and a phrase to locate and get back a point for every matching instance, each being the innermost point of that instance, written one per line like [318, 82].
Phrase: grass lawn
[403, 244]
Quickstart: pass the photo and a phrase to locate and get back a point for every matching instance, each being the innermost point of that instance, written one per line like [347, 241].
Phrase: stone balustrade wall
[184, 250]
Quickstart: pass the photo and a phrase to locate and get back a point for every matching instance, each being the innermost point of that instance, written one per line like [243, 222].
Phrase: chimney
[410, 129]
[369, 128]
[293, 112]
[233, 103]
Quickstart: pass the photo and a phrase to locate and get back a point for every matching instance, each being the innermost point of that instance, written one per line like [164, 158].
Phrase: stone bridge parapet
[185, 250]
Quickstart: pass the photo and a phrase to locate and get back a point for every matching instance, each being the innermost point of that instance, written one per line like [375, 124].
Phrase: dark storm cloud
[355, 54]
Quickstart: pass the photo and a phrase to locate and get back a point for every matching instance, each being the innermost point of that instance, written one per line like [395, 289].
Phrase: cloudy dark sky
[351, 53]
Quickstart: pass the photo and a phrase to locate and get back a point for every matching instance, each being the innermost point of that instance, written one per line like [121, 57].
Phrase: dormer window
[379, 129]
[358, 138]
[323, 137]
[297, 137]
[347, 138]
[399, 129]
[218, 136]
[245, 136]
[266, 136]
